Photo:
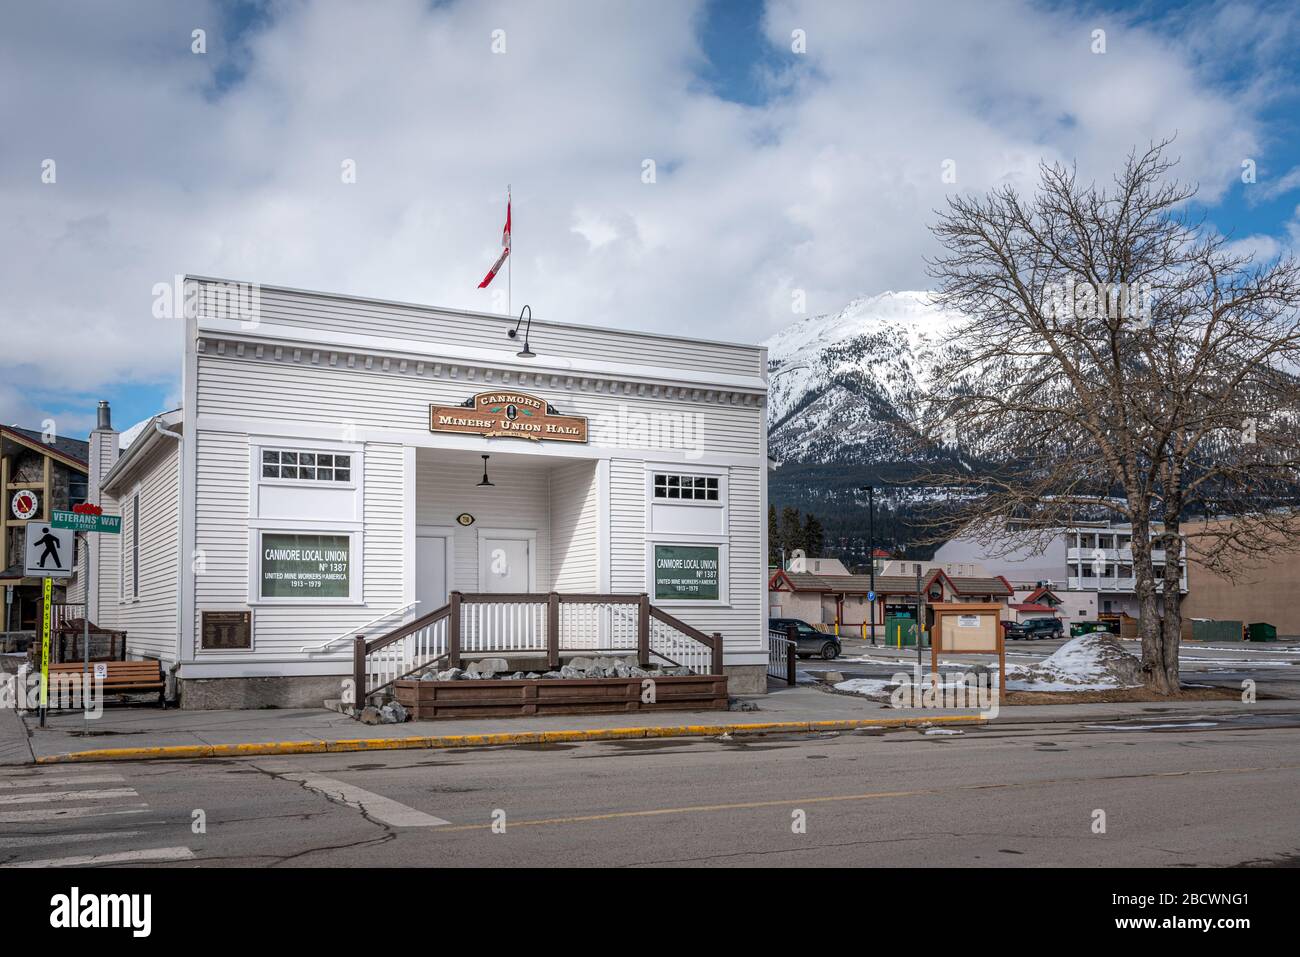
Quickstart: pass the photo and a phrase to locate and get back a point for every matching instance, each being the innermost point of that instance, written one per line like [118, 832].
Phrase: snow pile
[870, 687]
[1092, 662]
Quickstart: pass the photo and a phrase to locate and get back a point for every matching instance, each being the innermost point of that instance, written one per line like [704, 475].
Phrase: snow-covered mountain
[835, 381]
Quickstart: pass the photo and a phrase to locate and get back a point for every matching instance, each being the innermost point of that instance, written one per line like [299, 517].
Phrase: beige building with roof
[843, 601]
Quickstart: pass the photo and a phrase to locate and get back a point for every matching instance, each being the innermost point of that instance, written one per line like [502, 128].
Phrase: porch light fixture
[485, 482]
[526, 353]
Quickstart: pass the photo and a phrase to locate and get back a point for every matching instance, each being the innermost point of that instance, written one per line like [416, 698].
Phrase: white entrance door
[430, 571]
[505, 563]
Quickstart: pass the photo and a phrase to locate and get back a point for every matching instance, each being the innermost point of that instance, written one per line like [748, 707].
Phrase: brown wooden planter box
[503, 698]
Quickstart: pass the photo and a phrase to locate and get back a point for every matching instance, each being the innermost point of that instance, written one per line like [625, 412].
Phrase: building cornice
[486, 368]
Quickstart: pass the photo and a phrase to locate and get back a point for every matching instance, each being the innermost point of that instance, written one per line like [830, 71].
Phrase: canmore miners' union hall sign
[513, 415]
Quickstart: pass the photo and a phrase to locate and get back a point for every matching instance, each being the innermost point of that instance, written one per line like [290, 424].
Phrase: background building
[39, 473]
[1092, 557]
[843, 600]
[1264, 590]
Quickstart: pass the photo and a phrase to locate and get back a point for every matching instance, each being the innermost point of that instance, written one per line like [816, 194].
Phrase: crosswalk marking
[38, 815]
[61, 781]
[35, 840]
[374, 805]
[99, 798]
[88, 795]
[118, 857]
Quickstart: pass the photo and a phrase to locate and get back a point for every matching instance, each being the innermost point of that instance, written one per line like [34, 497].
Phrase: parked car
[1034, 628]
[808, 640]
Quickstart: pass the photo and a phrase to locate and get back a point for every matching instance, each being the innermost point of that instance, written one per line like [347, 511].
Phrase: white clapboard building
[325, 477]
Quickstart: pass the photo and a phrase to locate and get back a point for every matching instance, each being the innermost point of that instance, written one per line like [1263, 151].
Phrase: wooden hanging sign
[514, 415]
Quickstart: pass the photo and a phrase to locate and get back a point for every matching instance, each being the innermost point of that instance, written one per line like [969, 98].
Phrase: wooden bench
[124, 677]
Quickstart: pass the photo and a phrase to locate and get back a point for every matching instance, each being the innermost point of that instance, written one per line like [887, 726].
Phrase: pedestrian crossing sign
[50, 551]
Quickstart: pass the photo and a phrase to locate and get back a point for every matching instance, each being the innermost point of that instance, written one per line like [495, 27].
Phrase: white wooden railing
[539, 624]
[351, 633]
[405, 651]
[781, 656]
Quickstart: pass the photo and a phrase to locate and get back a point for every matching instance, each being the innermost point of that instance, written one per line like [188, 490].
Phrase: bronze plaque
[224, 630]
[514, 415]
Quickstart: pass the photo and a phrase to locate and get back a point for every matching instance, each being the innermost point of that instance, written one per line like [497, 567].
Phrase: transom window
[696, 488]
[306, 466]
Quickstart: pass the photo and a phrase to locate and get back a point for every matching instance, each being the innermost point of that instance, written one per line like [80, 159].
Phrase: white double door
[507, 564]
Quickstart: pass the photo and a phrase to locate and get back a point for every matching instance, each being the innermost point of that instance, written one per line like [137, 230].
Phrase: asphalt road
[1228, 663]
[1210, 792]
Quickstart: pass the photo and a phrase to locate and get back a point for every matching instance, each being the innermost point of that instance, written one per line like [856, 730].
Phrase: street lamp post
[871, 552]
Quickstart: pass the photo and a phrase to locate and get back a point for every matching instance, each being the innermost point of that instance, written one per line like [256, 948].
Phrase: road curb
[500, 739]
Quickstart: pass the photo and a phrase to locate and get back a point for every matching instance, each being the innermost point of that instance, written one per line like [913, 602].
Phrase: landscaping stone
[393, 713]
[370, 715]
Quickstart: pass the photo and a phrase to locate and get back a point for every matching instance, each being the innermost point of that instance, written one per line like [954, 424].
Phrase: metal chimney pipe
[104, 420]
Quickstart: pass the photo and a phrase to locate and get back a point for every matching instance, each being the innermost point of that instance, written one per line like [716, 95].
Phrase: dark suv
[808, 640]
[1034, 628]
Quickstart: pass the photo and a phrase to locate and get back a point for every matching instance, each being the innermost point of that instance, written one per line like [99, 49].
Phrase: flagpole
[510, 273]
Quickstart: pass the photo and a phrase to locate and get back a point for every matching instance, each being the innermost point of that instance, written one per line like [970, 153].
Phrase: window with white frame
[676, 486]
[303, 466]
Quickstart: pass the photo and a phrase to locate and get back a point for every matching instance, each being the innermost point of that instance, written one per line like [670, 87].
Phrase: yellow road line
[501, 739]
[836, 798]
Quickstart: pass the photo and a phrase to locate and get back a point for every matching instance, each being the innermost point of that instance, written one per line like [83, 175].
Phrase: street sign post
[86, 517]
[47, 588]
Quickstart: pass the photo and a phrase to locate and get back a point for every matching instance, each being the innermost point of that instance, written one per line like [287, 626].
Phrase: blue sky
[778, 173]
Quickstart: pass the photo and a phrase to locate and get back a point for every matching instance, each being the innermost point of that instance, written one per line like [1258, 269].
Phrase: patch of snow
[125, 439]
[1094, 662]
[865, 686]
[942, 731]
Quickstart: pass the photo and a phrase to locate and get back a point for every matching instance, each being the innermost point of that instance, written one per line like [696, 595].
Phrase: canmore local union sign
[514, 415]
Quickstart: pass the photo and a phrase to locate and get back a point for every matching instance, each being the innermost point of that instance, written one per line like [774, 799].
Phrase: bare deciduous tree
[1119, 361]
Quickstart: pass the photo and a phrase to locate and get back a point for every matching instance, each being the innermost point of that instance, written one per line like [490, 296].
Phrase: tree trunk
[1154, 671]
[1172, 632]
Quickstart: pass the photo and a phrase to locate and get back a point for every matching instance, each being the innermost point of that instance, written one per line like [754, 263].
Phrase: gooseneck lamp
[525, 353]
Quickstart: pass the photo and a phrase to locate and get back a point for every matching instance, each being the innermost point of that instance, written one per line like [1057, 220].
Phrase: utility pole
[920, 617]
[871, 552]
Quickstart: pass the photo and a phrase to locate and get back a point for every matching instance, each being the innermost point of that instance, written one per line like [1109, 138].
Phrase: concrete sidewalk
[14, 745]
[135, 732]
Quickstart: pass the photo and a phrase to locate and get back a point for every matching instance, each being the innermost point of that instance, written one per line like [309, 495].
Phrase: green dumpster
[1207, 629]
[1261, 631]
[1087, 627]
[900, 632]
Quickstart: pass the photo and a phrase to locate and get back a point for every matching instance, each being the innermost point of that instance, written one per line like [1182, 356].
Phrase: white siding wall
[343, 399]
[222, 539]
[742, 620]
[627, 510]
[77, 583]
[316, 311]
[221, 527]
[575, 525]
[150, 619]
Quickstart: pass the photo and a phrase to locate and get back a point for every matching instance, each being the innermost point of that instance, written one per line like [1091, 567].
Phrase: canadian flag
[505, 251]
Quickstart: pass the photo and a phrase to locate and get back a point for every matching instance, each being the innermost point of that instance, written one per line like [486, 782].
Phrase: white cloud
[828, 188]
